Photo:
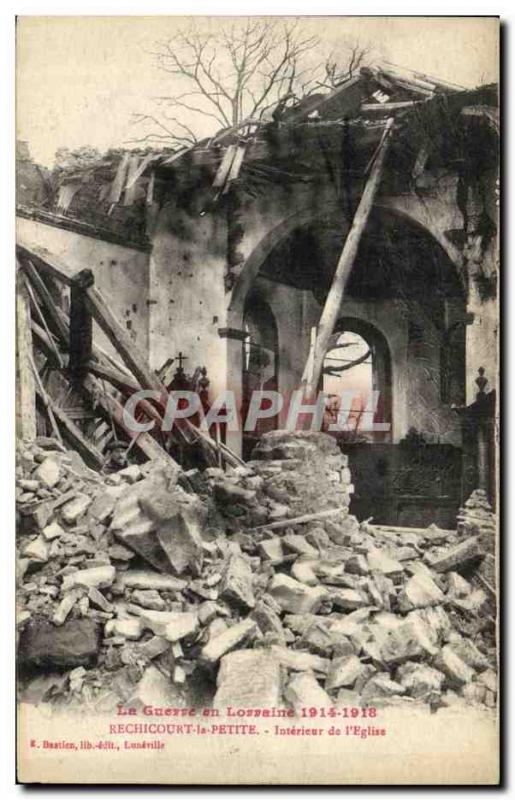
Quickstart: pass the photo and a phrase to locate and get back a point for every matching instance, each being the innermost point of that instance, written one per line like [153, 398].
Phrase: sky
[80, 79]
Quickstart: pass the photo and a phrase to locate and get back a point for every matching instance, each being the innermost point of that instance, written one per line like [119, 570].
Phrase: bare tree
[337, 73]
[235, 74]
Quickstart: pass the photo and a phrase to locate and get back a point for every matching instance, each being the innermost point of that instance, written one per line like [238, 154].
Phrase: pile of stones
[157, 586]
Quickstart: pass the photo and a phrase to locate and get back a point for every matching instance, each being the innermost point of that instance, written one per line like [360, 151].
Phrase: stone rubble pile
[156, 586]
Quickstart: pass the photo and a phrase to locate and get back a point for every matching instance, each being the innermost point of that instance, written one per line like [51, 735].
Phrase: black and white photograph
[257, 399]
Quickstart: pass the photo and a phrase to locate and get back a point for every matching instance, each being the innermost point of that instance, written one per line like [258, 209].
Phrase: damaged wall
[121, 273]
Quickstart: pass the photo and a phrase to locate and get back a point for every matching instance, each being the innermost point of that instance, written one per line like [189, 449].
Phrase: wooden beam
[74, 436]
[135, 361]
[81, 325]
[130, 354]
[113, 409]
[25, 379]
[53, 316]
[334, 299]
[286, 523]
[45, 261]
[387, 107]
[120, 339]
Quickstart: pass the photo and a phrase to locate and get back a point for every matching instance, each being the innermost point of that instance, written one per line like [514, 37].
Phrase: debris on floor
[249, 587]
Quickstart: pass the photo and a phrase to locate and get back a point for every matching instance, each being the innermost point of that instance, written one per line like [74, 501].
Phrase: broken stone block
[420, 591]
[207, 612]
[130, 628]
[102, 506]
[488, 678]
[271, 549]
[248, 679]
[130, 474]
[317, 639]
[143, 579]
[52, 531]
[380, 561]
[120, 553]
[347, 599]
[228, 640]
[304, 572]
[299, 623]
[457, 672]
[75, 508]
[381, 685]
[475, 603]
[438, 621]
[171, 625]
[227, 494]
[73, 644]
[278, 512]
[299, 661]
[457, 585]
[469, 653]
[98, 600]
[236, 584]
[474, 693]
[419, 680]
[343, 672]
[357, 565]
[411, 639]
[267, 619]
[154, 647]
[148, 598]
[296, 597]
[296, 543]
[38, 549]
[155, 689]
[457, 558]
[66, 605]
[48, 473]
[99, 577]
[304, 691]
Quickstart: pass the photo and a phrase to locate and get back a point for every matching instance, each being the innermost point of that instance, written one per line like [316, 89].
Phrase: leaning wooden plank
[143, 374]
[46, 399]
[128, 350]
[45, 261]
[285, 523]
[114, 410]
[25, 379]
[332, 307]
[387, 107]
[53, 316]
[396, 529]
[119, 380]
[73, 435]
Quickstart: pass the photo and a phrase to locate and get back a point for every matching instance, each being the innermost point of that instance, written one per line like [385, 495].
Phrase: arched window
[357, 380]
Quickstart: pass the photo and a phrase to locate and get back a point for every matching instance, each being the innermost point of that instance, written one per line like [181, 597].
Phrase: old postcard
[257, 400]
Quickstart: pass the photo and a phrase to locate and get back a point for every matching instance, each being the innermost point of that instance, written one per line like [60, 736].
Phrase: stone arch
[381, 360]
[277, 235]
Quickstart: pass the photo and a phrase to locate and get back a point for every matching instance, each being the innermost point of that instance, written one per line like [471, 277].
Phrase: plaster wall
[121, 274]
[187, 298]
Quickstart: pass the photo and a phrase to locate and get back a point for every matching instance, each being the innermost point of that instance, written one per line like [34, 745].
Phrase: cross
[181, 358]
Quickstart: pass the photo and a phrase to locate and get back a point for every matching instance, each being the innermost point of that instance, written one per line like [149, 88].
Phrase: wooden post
[346, 262]
[81, 326]
[25, 380]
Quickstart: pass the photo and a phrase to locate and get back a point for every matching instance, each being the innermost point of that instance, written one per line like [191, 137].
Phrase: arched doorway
[357, 374]
[260, 361]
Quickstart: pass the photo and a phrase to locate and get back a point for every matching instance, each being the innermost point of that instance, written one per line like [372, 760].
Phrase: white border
[222, 7]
